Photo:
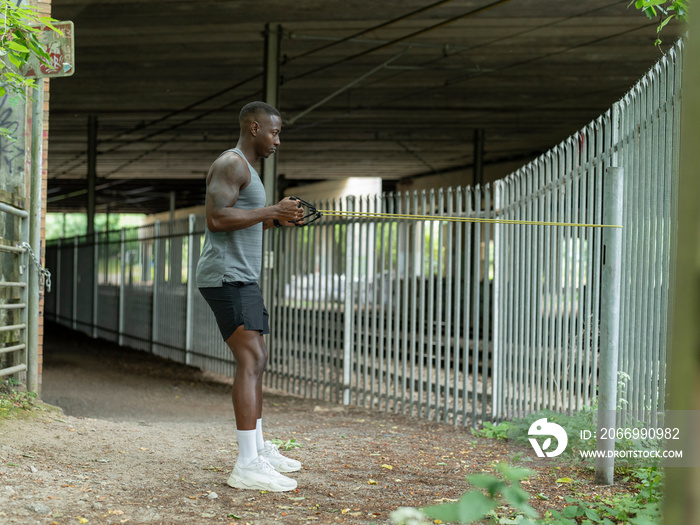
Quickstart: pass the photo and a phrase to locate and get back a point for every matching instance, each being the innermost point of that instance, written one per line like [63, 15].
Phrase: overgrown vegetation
[13, 401]
[640, 508]
[19, 40]
[499, 498]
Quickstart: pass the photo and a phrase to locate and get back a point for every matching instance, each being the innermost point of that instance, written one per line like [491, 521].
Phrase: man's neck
[247, 150]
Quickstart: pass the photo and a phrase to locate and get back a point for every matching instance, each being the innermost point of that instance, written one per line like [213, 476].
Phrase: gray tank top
[237, 255]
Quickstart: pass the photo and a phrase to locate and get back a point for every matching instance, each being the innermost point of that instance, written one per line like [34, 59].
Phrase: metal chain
[44, 274]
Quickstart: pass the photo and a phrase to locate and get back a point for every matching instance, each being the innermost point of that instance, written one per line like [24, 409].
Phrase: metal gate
[22, 277]
[13, 289]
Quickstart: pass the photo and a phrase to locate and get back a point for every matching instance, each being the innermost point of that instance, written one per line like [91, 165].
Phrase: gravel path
[138, 439]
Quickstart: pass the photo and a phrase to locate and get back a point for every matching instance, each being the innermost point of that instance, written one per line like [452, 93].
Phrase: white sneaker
[277, 460]
[260, 475]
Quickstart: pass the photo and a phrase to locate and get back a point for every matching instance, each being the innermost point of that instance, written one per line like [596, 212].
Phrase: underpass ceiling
[166, 80]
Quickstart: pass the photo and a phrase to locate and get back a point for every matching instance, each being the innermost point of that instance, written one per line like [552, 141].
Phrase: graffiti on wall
[12, 117]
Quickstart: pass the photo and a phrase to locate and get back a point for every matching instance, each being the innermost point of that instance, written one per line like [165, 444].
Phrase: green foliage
[18, 42]
[12, 401]
[64, 225]
[489, 430]
[574, 424]
[651, 482]
[491, 492]
[665, 10]
[579, 421]
[642, 508]
[286, 445]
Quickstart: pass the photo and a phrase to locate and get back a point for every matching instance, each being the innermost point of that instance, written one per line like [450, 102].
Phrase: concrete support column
[273, 38]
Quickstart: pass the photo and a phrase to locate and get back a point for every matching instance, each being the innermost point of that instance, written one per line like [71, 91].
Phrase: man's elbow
[214, 225]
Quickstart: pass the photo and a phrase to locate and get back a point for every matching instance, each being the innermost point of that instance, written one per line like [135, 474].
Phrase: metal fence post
[156, 262]
[57, 285]
[498, 257]
[74, 313]
[95, 281]
[609, 323]
[348, 308]
[122, 278]
[27, 356]
[34, 293]
[191, 268]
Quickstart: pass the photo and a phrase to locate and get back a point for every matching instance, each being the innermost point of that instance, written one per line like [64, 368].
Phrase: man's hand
[290, 212]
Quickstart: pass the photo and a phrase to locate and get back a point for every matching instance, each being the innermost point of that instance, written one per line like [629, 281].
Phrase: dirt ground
[137, 439]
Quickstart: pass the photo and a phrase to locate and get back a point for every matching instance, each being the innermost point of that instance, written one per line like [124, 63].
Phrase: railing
[456, 322]
[13, 294]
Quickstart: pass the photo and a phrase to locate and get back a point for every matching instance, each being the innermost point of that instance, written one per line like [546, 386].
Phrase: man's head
[261, 125]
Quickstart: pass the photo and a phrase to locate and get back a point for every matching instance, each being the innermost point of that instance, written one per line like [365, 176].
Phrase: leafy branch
[19, 41]
[665, 10]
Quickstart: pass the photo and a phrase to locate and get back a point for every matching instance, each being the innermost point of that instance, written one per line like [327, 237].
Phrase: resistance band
[316, 214]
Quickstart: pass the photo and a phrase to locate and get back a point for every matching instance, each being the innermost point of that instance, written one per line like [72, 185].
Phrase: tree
[21, 26]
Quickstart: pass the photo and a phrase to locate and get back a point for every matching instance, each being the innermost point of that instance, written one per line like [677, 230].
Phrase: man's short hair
[257, 107]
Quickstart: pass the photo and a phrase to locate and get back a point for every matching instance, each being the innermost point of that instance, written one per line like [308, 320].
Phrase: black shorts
[236, 304]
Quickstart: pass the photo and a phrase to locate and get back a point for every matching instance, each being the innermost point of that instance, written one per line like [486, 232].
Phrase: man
[227, 276]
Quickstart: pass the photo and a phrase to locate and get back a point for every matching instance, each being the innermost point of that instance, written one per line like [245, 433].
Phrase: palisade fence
[456, 322]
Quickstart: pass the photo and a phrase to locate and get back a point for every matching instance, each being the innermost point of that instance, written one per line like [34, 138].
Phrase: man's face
[267, 139]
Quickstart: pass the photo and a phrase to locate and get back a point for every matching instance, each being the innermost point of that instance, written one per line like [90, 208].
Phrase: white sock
[258, 435]
[247, 449]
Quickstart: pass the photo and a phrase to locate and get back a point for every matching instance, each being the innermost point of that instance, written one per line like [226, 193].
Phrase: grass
[16, 403]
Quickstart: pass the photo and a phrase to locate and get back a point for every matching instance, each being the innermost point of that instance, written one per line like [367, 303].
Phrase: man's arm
[227, 177]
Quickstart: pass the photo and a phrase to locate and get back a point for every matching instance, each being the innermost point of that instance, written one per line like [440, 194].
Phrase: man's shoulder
[229, 163]
[230, 157]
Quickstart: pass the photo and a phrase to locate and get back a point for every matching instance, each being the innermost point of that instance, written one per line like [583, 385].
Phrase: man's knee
[249, 351]
[258, 361]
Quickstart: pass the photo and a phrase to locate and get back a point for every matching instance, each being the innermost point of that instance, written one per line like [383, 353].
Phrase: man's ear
[254, 127]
